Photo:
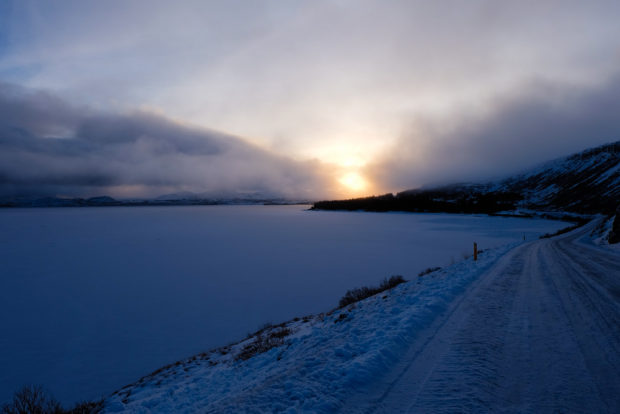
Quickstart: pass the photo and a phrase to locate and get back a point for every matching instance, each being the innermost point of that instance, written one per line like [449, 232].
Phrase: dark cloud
[48, 147]
[517, 131]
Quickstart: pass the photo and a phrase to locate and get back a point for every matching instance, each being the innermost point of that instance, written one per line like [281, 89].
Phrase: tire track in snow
[595, 316]
[409, 378]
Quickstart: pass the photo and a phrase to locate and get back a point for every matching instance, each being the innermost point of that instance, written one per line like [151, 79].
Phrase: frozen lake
[93, 298]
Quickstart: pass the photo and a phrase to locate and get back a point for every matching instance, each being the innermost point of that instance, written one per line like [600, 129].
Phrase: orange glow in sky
[353, 183]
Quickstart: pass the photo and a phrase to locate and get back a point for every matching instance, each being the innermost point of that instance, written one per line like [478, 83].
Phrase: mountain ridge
[587, 182]
[180, 199]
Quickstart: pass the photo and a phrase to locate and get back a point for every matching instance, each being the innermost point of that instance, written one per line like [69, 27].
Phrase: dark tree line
[428, 202]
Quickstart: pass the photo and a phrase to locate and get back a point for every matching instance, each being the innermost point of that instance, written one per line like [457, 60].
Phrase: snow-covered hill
[587, 181]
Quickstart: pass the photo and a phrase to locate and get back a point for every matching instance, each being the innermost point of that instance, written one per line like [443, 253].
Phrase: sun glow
[353, 182]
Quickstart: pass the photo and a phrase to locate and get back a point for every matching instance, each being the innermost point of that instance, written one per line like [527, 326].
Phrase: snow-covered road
[538, 332]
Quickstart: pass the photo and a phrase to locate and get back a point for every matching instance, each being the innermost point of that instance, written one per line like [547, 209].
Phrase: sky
[302, 99]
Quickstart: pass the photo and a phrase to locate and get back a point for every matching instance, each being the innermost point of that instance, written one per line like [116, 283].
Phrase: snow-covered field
[531, 327]
[94, 298]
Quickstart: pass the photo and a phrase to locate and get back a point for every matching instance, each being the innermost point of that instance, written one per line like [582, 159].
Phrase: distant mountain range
[586, 182]
[178, 199]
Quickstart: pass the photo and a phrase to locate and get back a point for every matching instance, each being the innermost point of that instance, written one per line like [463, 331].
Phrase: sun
[353, 182]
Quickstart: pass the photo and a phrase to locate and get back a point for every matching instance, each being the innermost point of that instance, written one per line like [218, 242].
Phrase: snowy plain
[94, 298]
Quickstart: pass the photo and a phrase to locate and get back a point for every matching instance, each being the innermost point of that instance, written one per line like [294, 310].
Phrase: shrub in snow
[341, 318]
[263, 342]
[355, 295]
[33, 399]
[87, 407]
[428, 270]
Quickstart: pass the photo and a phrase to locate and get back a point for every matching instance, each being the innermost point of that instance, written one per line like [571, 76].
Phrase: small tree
[32, 399]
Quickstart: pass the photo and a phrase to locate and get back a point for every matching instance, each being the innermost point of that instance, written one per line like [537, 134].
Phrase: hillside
[586, 182]
[308, 364]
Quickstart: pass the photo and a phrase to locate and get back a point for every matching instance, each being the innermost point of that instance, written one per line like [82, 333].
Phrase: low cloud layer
[514, 132]
[48, 147]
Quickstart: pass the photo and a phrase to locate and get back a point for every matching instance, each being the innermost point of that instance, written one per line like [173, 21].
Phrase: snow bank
[317, 365]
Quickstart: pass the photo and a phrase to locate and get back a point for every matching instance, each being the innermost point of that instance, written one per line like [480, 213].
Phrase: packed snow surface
[91, 299]
[531, 327]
